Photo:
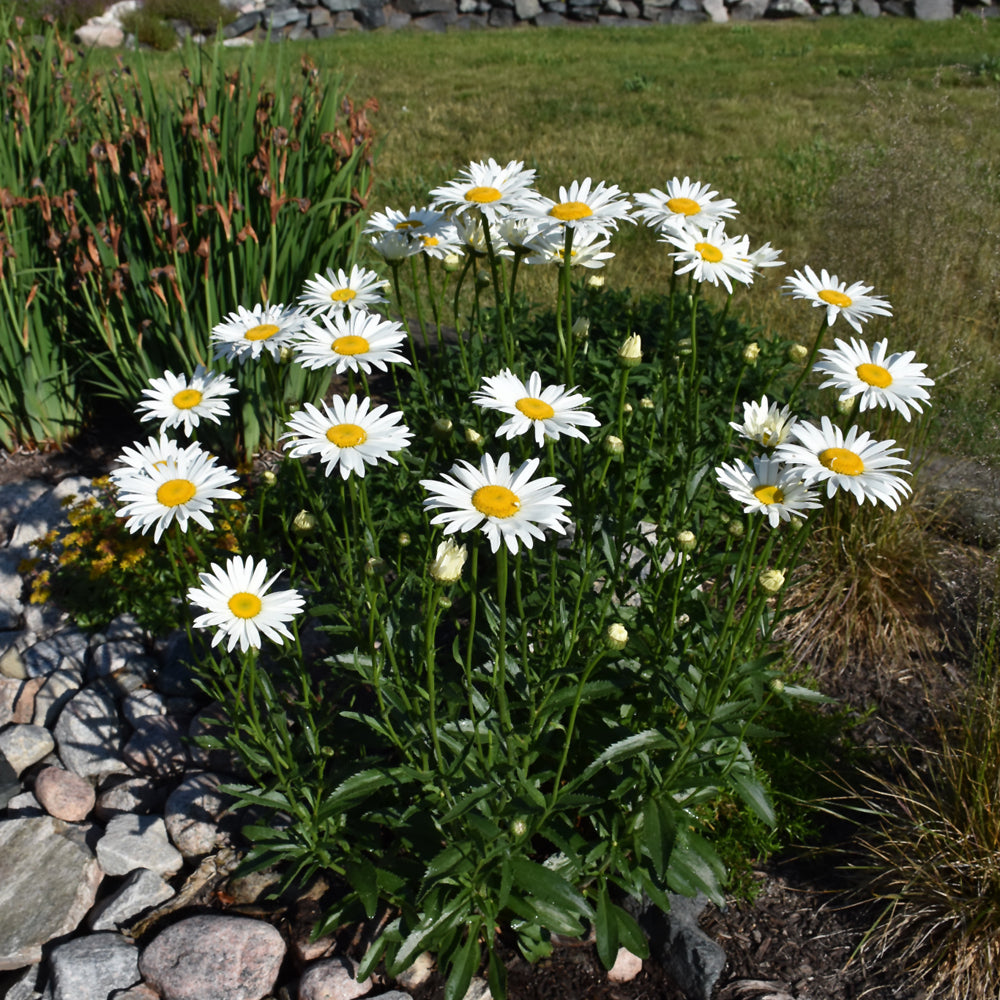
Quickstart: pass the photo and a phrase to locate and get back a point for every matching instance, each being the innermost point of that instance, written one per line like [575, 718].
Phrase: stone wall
[258, 20]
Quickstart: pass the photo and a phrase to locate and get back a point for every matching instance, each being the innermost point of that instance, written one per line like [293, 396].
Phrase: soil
[796, 939]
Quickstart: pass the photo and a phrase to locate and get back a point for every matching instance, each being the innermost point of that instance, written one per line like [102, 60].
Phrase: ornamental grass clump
[520, 642]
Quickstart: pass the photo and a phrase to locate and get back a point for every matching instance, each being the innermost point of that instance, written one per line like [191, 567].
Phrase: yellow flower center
[346, 435]
[769, 494]
[496, 501]
[245, 605]
[186, 399]
[709, 252]
[535, 409]
[343, 295]
[175, 492]
[834, 298]
[874, 375]
[841, 460]
[569, 211]
[683, 206]
[411, 223]
[483, 195]
[261, 332]
[429, 241]
[350, 345]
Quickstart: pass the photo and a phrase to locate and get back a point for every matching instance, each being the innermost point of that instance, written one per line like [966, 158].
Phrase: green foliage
[150, 22]
[149, 28]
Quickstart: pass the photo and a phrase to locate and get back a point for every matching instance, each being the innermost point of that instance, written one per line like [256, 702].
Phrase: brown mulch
[793, 942]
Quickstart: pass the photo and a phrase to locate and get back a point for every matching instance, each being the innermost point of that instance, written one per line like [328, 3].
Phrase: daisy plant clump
[541, 627]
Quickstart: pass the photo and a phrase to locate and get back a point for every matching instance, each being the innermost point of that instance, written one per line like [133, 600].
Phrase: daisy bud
[777, 685]
[286, 356]
[268, 478]
[442, 428]
[483, 279]
[630, 353]
[772, 580]
[376, 566]
[453, 261]
[581, 328]
[614, 445]
[682, 620]
[736, 529]
[518, 828]
[646, 403]
[304, 523]
[616, 636]
[444, 601]
[845, 404]
[404, 539]
[751, 352]
[627, 408]
[472, 436]
[797, 353]
[448, 561]
[594, 281]
[686, 540]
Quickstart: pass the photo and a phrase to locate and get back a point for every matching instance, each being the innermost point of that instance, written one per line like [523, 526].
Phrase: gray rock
[17, 700]
[11, 664]
[141, 703]
[193, 813]
[393, 995]
[9, 784]
[132, 842]
[420, 7]
[478, 990]
[124, 627]
[418, 972]
[156, 747]
[48, 655]
[527, 9]
[64, 795]
[796, 8]
[692, 959]
[113, 657]
[48, 882]
[24, 806]
[122, 793]
[222, 957]
[716, 10]
[870, 8]
[371, 14]
[175, 677]
[47, 511]
[89, 734]
[141, 891]
[28, 986]
[56, 690]
[332, 979]
[91, 967]
[99, 36]
[25, 745]
[15, 499]
[242, 24]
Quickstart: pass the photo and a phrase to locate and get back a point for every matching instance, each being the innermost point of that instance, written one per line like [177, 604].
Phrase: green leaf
[464, 964]
[659, 828]
[606, 929]
[752, 792]
[364, 880]
[695, 867]
[630, 934]
[497, 977]
[649, 739]
[549, 887]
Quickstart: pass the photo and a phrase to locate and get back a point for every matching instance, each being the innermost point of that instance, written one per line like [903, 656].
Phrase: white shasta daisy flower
[765, 256]
[358, 341]
[712, 256]
[141, 458]
[338, 291]
[393, 247]
[685, 204]
[767, 487]
[178, 490]
[893, 381]
[825, 291]
[429, 230]
[766, 423]
[241, 606]
[244, 334]
[548, 412]
[587, 249]
[177, 402]
[492, 189]
[582, 206]
[854, 462]
[347, 435]
[508, 506]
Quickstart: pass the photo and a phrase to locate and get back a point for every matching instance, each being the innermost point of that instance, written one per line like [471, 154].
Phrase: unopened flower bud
[845, 405]
[444, 601]
[581, 328]
[452, 262]
[686, 540]
[684, 345]
[442, 428]
[772, 580]
[482, 279]
[376, 566]
[404, 539]
[518, 828]
[472, 436]
[627, 408]
[286, 356]
[594, 281]
[304, 522]
[797, 353]
[736, 529]
[614, 445]
[448, 561]
[630, 353]
[777, 685]
[751, 352]
[616, 636]
[646, 403]
[268, 478]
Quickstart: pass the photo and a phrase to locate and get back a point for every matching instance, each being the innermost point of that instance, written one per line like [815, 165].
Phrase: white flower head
[240, 604]
[712, 256]
[548, 412]
[868, 469]
[429, 230]
[767, 487]
[337, 292]
[178, 490]
[347, 436]
[487, 188]
[766, 423]
[143, 458]
[177, 401]
[584, 207]
[394, 247]
[879, 378]
[508, 506]
[244, 334]
[826, 291]
[686, 204]
[588, 249]
[359, 341]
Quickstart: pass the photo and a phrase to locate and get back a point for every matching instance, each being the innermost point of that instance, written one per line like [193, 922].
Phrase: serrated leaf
[658, 830]
[364, 880]
[606, 929]
[548, 886]
[464, 964]
[752, 792]
[630, 934]
[695, 867]
[649, 739]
